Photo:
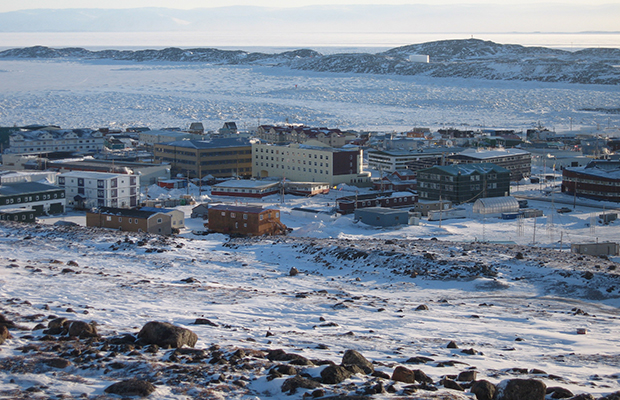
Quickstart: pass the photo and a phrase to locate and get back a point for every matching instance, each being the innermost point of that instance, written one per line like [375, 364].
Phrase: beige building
[310, 162]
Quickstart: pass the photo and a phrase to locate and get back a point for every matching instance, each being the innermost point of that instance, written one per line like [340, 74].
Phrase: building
[42, 198]
[310, 162]
[219, 158]
[149, 173]
[397, 181]
[399, 160]
[599, 179]
[517, 161]
[596, 249]
[496, 205]
[177, 217]
[463, 183]
[245, 220]
[164, 136]
[200, 211]
[18, 215]
[99, 189]
[52, 139]
[246, 188]
[306, 188]
[380, 216]
[348, 204]
[130, 220]
[301, 134]
[229, 129]
[425, 206]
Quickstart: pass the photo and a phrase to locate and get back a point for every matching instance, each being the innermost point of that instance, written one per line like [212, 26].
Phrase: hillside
[428, 317]
[470, 58]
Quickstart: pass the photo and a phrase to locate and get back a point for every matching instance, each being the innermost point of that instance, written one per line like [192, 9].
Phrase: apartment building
[99, 189]
[52, 139]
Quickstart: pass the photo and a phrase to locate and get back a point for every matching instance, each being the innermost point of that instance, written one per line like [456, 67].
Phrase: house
[99, 189]
[380, 216]
[200, 211]
[41, 198]
[599, 179]
[177, 216]
[463, 183]
[130, 220]
[306, 188]
[245, 220]
[246, 188]
[424, 207]
[348, 204]
[310, 162]
[229, 128]
[219, 157]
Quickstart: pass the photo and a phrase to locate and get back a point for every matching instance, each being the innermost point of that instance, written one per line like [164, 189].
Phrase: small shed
[596, 249]
[200, 211]
[380, 216]
[496, 205]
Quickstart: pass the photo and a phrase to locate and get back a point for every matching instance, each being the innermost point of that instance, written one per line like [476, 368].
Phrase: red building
[245, 220]
[398, 181]
[348, 205]
[599, 180]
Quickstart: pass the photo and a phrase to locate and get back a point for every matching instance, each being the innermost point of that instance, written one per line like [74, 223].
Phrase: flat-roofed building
[53, 139]
[130, 220]
[246, 188]
[42, 198]
[310, 162]
[219, 158]
[99, 189]
[245, 220]
[517, 161]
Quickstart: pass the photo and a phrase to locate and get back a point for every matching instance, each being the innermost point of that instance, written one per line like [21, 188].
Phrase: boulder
[582, 396]
[165, 334]
[82, 329]
[292, 384]
[467, 376]
[406, 375]
[334, 374]
[4, 334]
[131, 387]
[521, 389]
[557, 392]
[612, 396]
[293, 271]
[57, 362]
[484, 390]
[352, 357]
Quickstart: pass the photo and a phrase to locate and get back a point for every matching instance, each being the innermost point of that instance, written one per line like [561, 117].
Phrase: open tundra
[284, 317]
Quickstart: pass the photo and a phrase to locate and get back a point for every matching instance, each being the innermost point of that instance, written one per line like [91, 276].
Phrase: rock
[204, 321]
[471, 352]
[131, 387]
[452, 345]
[380, 374]
[334, 374]
[81, 329]
[406, 375]
[165, 334]
[55, 326]
[4, 334]
[484, 390]
[57, 362]
[292, 384]
[557, 392]
[519, 256]
[4, 321]
[450, 384]
[613, 396]
[285, 369]
[422, 307]
[583, 396]
[467, 376]
[352, 357]
[521, 389]
[293, 271]
[418, 360]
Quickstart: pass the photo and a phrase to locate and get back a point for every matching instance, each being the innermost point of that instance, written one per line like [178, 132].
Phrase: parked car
[564, 210]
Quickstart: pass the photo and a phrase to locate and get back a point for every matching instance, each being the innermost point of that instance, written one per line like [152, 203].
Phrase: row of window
[592, 181]
[288, 167]
[27, 199]
[292, 153]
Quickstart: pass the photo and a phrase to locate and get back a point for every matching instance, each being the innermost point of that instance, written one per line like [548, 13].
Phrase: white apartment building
[86, 189]
[312, 161]
[52, 140]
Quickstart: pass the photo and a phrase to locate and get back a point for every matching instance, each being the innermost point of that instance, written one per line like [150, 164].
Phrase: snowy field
[120, 94]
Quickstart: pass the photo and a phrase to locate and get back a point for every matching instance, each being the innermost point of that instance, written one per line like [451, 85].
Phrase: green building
[41, 198]
[463, 183]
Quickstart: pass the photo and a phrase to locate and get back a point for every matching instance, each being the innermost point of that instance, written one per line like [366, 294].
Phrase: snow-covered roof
[243, 183]
[487, 154]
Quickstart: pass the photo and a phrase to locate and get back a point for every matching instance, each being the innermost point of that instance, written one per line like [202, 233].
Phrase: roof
[242, 209]
[91, 174]
[382, 210]
[488, 154]
[211, 144]
[609, 169]
[245, 183]
[127, 212]
[11, 189]
[156, 209]
[468, 169]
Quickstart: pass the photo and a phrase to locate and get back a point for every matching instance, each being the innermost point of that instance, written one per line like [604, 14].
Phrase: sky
[6, 6]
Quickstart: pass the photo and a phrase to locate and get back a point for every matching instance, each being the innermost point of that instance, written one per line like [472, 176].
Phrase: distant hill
[419, 18]
[470, 58]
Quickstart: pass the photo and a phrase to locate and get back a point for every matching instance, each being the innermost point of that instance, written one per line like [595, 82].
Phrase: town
[136, 179]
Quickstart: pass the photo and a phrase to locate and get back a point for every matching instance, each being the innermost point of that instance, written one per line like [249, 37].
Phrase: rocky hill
[471, 59]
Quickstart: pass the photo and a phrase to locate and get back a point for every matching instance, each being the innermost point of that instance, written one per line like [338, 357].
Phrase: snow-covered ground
[123, 94]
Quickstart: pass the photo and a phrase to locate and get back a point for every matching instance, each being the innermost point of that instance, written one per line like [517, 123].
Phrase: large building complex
[310, 162]
[52, 139]
[219, 158]
[463, 183]
[43, 199]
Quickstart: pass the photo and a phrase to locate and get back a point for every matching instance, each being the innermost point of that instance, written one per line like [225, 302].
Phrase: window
[159, 220]
[130, 220]
[108, 218]
[245, 216]
[120, 219]
[260, 217]
[233, 215]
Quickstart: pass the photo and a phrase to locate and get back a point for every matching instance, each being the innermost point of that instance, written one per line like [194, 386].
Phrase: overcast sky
[6, 5]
